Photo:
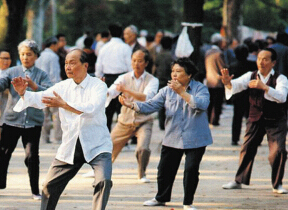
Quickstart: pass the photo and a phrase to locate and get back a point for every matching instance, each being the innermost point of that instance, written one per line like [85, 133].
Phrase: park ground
[218, 167]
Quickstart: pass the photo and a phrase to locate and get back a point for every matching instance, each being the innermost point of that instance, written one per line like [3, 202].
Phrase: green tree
[267, 15]
[11, 21]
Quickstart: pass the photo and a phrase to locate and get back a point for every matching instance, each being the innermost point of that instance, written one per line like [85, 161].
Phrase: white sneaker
[153, 202]
[89, 174]
[232, 185]
[280, 190]
[36, 197]
[144, 180]
[189, 207]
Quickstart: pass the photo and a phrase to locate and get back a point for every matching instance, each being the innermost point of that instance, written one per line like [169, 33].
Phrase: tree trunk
[54, 17]
[232, 15]
[177, 5]
[36, 18]
[11, 17]
[193, 13]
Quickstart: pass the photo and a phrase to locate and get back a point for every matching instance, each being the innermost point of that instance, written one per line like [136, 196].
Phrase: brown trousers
[276, 131]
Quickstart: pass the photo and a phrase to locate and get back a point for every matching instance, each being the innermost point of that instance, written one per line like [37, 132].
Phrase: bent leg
[143, 152]
[9, 139]
[120, 135]
[191, 173]
[167, 169]
[30, 139]
[58, 176]
[252, 139]
[102, 166]
[276, 135]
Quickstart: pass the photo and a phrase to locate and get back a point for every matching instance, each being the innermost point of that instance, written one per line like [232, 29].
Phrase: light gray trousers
[60, 173]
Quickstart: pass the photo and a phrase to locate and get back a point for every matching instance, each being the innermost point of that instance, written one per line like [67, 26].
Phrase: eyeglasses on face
[5, 58]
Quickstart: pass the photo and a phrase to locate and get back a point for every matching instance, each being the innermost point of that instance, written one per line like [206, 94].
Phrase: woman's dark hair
[187, 64]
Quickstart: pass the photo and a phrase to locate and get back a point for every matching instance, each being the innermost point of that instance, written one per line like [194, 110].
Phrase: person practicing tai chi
[186, 130]
[27, 123]
[267, 115]
[137, 85]
[86, 139]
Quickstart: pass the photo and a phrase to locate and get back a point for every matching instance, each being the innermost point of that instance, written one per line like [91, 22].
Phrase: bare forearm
[136, 95]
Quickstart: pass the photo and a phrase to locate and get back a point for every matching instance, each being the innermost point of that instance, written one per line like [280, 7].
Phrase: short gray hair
[31, 44]
[216, 38]
[133, 29]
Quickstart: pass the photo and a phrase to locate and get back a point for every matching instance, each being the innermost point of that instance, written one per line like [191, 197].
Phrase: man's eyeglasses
[5, 58]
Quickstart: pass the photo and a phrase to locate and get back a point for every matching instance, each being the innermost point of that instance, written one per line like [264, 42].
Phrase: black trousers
[276, 131]
[30, 140]
[167, 169]
[114, 105]
[215, 106]
[240, 110]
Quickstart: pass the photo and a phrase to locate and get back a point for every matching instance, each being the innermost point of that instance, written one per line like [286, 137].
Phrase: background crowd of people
[147, 76]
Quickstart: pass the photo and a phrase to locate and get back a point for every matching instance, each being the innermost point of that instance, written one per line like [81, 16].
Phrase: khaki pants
[51, 115]
[121, 134]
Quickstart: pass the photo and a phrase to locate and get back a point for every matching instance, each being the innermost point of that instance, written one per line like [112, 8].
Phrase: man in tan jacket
[137, 85]
[214, 62]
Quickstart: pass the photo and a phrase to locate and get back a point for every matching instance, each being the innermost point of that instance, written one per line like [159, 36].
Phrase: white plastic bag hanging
[184, 47]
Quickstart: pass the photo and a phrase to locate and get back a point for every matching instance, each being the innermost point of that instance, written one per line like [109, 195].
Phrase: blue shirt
[186, 124]
[29, 117]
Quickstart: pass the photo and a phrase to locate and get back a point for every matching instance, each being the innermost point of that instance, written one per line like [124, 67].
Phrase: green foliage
[212, 18]
[75, 17]
[262, 15]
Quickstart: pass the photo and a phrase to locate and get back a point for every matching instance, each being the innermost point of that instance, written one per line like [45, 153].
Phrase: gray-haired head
[133, 29]
[216, 38]
[31, 44]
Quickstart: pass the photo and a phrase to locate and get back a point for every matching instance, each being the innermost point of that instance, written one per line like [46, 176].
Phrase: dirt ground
[218, 166]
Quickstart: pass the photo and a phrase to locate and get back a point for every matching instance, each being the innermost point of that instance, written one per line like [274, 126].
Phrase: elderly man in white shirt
[138, 85]
[85, 139]
[114, 59]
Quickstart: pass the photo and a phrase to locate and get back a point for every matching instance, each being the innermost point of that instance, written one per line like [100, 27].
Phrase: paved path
[218, 166]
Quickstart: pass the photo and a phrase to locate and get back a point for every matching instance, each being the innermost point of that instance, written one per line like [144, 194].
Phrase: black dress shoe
[234, 143]
[215, 123]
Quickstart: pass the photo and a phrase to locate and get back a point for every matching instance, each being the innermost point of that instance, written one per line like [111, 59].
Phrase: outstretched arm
[136, 95]
[125, 102]
[226, 78]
